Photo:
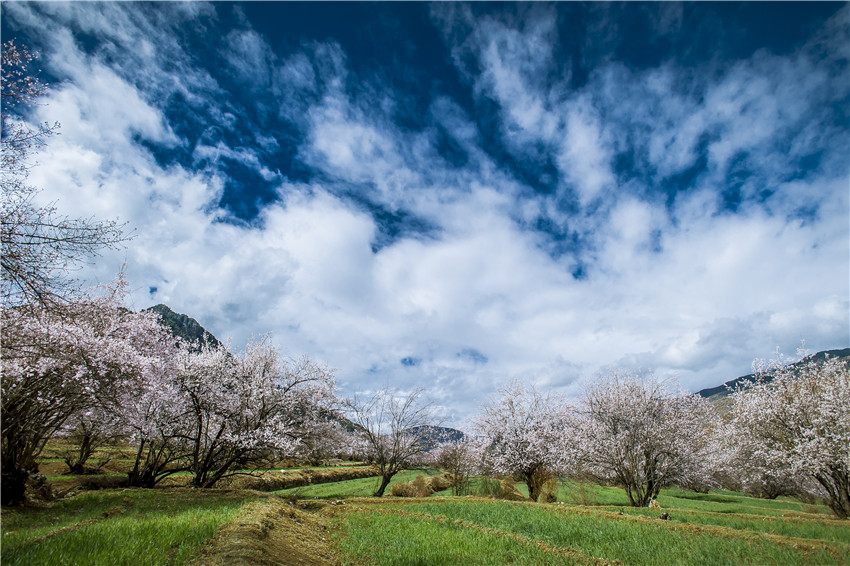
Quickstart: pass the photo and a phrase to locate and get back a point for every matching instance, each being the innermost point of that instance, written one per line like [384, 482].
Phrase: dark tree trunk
[141, 479]
[385, 481]
[14, 486]
[837, 485]
[533, 488]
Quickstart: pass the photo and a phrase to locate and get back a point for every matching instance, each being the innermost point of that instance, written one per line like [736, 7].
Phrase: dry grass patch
[422, 486]
[270, 532]
[274, 480]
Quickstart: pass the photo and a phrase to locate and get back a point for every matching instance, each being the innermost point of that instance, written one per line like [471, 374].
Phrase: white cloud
[674, 281]
[584, 157]
[250, 57]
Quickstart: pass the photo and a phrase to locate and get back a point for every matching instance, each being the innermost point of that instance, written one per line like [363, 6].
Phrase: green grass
[614, 537]
[77, 477]
[169, 526]
[812, 529]
[375, 538]
[719, 527]
[117, 527]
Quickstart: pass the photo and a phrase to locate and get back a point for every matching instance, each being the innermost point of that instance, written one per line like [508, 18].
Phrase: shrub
[419, 487]
[499, 489]
[445, 481]
[299, 478]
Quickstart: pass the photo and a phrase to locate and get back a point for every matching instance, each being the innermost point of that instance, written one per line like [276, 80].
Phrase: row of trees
[788, 433]
[791, 434]
[92, 370]
[627, 430]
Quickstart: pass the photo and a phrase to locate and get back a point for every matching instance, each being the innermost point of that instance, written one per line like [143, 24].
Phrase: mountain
[433, 436]
[185, 327]
[722, 391]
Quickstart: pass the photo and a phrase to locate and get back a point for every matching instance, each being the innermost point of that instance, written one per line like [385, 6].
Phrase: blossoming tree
[800, 420]
[522, 434]
[63, 361]
[240, 406]
[634, 432]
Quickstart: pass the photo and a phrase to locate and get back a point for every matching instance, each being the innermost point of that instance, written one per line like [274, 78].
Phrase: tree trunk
[143, 478]
[534, 480]
[837, 485]
[533, 489]
[14, 486]
[385, 481]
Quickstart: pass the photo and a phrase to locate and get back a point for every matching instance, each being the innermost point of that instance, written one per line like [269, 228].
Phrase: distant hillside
[436, 435]
[185, 327]
[721, 391]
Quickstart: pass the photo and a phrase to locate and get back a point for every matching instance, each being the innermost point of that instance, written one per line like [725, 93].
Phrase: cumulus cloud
[698, 217]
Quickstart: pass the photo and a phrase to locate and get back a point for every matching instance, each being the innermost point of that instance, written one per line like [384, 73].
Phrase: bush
[499, 489]
[419, 487]
[422, 486]
[445, 481]
[301, 478]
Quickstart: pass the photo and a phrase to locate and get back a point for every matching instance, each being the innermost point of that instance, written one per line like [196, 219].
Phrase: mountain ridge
[724, 390]
[185, 327]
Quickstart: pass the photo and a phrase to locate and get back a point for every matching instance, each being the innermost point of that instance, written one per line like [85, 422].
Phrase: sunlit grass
[375, 538]
[170, 526]
[813, 529]
[108, 528]
[630, 540]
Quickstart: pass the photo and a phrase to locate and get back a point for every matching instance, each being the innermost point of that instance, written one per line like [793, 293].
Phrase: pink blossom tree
[154, 413]
[636, 433]
[523, 435]
[87, 432]
[240, 406]
[321, 437]
[63, 361]
[798, 422]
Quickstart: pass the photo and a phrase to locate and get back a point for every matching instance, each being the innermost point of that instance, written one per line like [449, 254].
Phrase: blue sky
[455, 195]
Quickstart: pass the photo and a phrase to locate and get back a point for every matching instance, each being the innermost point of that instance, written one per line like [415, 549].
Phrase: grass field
[337, 523]
[117, 527]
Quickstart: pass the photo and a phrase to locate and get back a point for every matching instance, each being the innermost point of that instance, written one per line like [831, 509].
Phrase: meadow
[338, 523]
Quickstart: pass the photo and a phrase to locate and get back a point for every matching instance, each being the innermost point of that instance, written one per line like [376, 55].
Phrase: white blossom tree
[214, 413]
[636, 433]
[744, 465]
[798, 421]
[154, 413]
[523, 435]
[88, 432]
[321, 437]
